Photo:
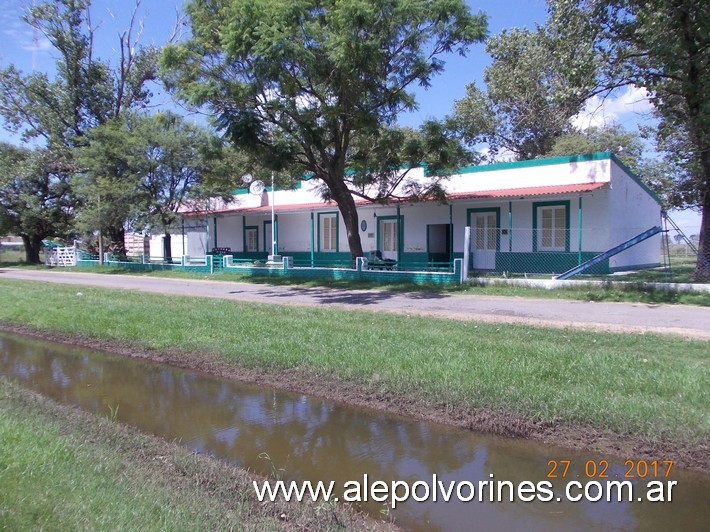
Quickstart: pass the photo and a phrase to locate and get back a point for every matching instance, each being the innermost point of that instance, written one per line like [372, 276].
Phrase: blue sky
[28, 51]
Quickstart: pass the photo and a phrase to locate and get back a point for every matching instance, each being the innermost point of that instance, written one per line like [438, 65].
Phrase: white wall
[229, 232]
[295, 232]
[416, 219]
[156, 245]
[522, 176]
[633, 211]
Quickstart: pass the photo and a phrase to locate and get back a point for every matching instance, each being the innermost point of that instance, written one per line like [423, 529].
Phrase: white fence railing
[60, 256]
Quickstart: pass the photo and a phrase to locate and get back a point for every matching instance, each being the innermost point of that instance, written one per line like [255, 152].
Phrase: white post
[466, 250]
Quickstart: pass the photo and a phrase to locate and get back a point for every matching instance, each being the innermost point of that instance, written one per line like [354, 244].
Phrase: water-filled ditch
[314, 439]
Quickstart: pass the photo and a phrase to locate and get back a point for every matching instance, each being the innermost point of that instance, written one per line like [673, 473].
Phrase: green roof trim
[598, 156]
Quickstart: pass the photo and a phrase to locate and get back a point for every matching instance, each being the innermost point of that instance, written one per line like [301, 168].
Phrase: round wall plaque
[363, 225]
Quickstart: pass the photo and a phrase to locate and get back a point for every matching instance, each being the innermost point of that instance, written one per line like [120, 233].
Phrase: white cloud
[632, 103]
[17, 33]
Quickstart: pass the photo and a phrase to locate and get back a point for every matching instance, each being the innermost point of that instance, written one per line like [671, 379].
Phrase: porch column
[399, 236]
[215, 231]
[451, 233]
[510, 226]
[276, 235]
[579, 231]
[207, 236]
[244, 236]
[313, 256]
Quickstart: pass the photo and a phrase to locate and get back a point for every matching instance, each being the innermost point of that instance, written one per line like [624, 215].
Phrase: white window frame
[328, 232]
[251, 241]
[554, 232]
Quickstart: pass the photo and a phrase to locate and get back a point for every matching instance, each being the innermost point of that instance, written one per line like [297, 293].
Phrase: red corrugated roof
[528, 191]
[499, 193]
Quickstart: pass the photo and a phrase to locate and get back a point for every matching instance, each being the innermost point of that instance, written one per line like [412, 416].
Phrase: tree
[86, 91]
[303, 85]
[664, 46]
[108, 183]
[627, 146]
[150, 166]
[35, 201]
[530, 99]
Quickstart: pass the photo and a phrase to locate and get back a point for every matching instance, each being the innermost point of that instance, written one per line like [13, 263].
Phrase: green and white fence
[551, 251]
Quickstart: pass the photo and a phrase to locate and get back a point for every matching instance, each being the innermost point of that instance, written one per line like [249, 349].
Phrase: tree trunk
[167, 249]
[702, 267]
[346, 204]
[33, 245]
[118, 239]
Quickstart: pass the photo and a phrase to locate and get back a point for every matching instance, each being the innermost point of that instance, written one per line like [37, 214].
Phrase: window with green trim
[251, 239]
[552, 228]
[329, 232]
[389, 236]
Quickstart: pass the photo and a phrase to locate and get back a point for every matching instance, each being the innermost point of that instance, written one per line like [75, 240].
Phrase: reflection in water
[319, 440]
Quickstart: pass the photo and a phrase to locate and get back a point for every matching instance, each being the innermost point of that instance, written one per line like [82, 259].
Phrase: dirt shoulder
[361, 394]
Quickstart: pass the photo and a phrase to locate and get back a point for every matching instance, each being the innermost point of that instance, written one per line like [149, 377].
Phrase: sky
[29, 51]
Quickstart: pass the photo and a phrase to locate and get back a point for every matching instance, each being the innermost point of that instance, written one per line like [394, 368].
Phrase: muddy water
[318, 440]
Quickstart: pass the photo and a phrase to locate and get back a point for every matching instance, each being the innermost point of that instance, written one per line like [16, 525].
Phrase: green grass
[610, 291]
[642, 385]
[61, 469]
[12, 256]
[681, 271]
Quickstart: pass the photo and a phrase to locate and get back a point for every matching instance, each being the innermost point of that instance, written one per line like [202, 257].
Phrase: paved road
[681, 320]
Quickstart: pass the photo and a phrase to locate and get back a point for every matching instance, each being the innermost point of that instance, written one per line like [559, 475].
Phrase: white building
[544, 215]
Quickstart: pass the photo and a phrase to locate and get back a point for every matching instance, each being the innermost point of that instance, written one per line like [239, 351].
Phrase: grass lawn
[12, 256]
[61, 469]
[641, 385]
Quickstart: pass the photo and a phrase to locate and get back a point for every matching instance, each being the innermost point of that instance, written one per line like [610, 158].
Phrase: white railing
[60, 256]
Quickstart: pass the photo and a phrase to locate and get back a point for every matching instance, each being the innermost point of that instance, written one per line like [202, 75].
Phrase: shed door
[484, 241]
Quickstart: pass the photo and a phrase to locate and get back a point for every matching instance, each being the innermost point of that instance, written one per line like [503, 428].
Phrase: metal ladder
[610, 253]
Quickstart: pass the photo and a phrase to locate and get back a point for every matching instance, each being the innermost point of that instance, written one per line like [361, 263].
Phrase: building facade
[540, 216]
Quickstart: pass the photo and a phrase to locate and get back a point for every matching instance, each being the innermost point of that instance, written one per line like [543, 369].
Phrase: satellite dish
[256, 188]
[247, 178]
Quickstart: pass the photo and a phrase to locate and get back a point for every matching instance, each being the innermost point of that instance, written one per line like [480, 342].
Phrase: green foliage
[664, 46]
[535, 85]
[303, 85]
[35, 197]
[144, 168]
[627, 146]
[107, 184]
[86, 91]
[382, 163]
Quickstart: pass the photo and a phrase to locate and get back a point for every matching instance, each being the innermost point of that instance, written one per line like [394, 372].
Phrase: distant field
[11, 254]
